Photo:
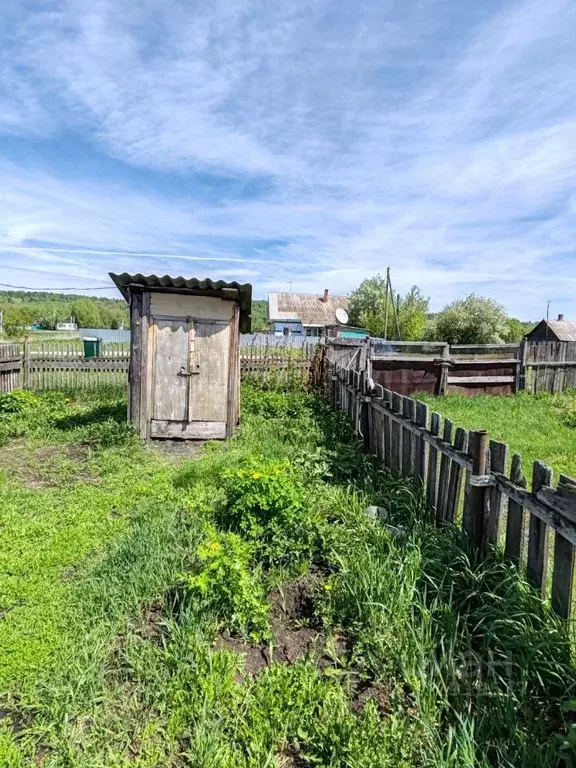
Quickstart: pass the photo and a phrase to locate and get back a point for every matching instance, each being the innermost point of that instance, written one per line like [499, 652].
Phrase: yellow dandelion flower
[257, 475]
[215, 546]
[328, 587]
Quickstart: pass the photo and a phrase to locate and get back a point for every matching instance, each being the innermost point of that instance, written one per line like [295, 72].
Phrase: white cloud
[436, 138]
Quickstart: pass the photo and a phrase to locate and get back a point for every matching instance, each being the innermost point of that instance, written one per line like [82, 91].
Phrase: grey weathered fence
[468, 480]
[10, 365]
[63, 365]
[549, 366]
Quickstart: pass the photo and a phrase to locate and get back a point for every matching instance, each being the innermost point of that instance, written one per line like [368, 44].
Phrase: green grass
[70, 482]
[535, 426]
[131, 579]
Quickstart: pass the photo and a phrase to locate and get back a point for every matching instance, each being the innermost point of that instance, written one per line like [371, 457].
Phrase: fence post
[443, 383]
[477, 493]
[364, 418]
[26, 366]
[538, 531]
[522, 365]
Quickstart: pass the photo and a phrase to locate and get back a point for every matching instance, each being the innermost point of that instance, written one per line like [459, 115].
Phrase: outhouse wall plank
[202, 307]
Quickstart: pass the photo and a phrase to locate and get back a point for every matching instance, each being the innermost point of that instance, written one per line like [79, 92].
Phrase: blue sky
[314, 142]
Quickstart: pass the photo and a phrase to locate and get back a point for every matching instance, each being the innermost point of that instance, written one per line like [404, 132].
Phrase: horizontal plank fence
[469, 480]
[439, 369]
[497, 369]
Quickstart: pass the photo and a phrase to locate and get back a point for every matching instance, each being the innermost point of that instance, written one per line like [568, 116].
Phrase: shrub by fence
[467, 480]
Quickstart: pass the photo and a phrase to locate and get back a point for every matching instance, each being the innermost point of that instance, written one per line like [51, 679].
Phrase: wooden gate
[190, 379]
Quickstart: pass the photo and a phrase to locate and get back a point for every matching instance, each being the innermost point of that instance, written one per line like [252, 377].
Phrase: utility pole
[395, 306]
[386, 304]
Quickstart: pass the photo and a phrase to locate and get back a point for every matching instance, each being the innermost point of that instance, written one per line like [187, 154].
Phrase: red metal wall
[408, 377]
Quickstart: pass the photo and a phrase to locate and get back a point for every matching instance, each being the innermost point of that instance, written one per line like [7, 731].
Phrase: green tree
[515, 332]
[367, 309]
[473, 320]
[413, 315]
[87, 313]
[367, 305]
[259, 315]
[14, 322]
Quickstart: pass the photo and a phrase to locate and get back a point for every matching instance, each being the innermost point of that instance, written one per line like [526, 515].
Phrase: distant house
[554, 330]
[305, 314]
[66, 327]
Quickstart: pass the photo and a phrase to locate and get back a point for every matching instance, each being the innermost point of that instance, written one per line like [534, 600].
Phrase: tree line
[386, 314]
[22, 309]
[472, 320]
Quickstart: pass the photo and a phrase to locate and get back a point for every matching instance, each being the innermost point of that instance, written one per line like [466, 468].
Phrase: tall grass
[540, 426]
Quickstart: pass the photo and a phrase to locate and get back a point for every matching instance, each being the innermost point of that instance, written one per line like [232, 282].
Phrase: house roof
[308, 308]
[563, 330]
[166, 284]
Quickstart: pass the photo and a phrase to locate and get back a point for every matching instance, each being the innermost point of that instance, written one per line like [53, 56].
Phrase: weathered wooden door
[191, 378]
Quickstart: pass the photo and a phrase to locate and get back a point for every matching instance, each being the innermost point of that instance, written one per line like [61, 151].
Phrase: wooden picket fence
[466, 480]
[548, 366]
[10, 365]
[63, 366]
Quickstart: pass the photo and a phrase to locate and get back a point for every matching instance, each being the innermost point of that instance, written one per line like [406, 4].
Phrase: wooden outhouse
[184, 375]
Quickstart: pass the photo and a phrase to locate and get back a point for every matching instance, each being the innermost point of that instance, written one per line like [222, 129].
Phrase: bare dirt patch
[296, 631]
[51, 466]
[177, 451]
[291, 758]
[363, 692]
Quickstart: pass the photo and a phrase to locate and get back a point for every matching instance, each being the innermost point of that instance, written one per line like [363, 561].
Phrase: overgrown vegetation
[278, 600]
[541, 426]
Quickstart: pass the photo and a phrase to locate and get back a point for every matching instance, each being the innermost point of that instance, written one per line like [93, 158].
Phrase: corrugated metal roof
[124, 282]
[565, 330]
[308, 308]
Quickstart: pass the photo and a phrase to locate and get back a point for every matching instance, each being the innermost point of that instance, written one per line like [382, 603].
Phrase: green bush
[268, 504]
[17, 401]
[226, 584]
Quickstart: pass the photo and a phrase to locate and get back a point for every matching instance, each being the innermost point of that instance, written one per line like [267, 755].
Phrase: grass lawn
[238, 608]
[538, 426]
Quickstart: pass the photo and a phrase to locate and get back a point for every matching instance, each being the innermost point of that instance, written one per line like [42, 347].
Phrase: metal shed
[184, 375]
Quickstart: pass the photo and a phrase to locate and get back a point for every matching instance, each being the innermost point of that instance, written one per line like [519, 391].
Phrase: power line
[143, 254]
[48, 290]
